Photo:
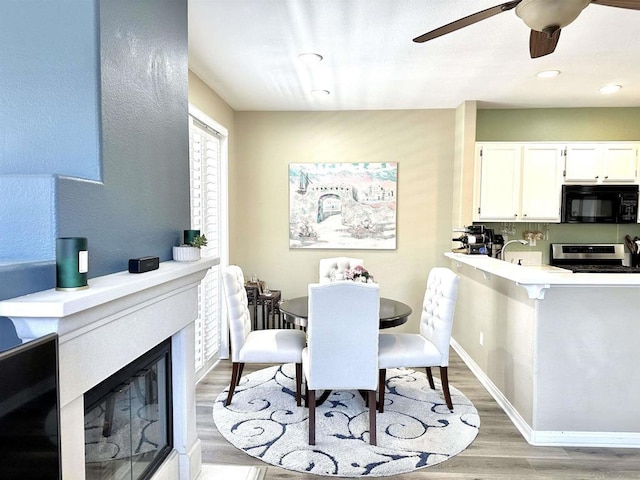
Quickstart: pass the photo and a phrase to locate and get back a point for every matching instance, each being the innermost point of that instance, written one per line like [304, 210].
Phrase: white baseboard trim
[585, 439]
[548, 438]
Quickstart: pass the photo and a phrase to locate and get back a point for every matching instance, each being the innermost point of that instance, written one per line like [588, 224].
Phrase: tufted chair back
[237, 308]
[329, 267]
[438, 308]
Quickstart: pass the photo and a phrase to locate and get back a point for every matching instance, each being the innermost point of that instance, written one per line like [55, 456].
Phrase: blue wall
[49, 88]
[103, 87]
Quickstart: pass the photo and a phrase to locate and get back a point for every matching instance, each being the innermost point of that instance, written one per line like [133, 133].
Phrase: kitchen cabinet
[541, 183]
[497, 182]
[601, 163]
[518, 182]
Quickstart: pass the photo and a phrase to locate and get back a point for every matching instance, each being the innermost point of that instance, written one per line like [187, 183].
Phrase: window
[208, 169]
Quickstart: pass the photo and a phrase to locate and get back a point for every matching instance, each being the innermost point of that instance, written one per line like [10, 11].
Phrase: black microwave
[599, 204]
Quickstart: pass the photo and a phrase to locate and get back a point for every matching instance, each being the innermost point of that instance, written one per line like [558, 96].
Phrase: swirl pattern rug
[416, 429]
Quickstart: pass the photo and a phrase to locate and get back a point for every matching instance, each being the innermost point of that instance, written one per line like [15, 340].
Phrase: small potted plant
[190, 252]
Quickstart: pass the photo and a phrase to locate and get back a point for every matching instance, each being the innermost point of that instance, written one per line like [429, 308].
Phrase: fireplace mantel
[105, 327]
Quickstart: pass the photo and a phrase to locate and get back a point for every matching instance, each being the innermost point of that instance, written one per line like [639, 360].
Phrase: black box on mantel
[143, 264]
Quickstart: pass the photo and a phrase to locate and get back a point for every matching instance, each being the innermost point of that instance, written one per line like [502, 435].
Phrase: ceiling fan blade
[541, 44]
[466, 21]
[631, 4]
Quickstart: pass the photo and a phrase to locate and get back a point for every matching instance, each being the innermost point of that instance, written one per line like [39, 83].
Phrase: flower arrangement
[358, 274]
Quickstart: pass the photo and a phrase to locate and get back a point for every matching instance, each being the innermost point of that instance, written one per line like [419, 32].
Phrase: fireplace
[105, 328]
[128, 419]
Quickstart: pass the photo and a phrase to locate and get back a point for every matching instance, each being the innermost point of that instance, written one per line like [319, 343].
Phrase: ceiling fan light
[543, 14]
[548, 73]
[610, 88]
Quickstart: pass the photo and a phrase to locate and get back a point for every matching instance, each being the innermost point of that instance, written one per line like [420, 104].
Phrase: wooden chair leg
[240, 370]
[236, 373]
[444, 379]
[382, 379]
[430, 378]
[298, 384]
[371, 397]
[311, 397]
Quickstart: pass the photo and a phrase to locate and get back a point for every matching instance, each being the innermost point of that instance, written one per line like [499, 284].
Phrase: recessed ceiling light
[610, 88]
[320, 93]
[310, 57]
[548, 74]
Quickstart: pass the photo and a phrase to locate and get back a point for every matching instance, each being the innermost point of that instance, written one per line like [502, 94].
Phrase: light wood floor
[498, 452]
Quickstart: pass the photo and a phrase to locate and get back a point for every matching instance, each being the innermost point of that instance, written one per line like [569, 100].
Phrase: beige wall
[209, 102]
[261, 146]
[422, 142]
[206, 100]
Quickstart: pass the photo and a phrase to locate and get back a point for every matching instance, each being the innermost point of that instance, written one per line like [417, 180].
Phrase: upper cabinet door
[619, 163]
[601, 163]
[582, 163]
[541, 183]
[499, 185]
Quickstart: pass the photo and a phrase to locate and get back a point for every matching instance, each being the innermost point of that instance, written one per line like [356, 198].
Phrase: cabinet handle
[524, 215]
[606, 176]
[515, 214]
[597, 176]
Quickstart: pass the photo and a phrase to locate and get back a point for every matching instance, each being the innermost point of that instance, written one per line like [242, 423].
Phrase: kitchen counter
[537, 279]
[556, 349]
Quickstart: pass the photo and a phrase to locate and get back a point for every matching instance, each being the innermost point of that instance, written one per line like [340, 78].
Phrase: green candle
[189, 235]
[72, 263]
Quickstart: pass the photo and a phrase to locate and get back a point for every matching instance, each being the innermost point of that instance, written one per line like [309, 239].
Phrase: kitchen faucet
[501, 252]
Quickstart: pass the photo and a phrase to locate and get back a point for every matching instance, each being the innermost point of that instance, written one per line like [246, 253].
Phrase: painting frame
[343, 205]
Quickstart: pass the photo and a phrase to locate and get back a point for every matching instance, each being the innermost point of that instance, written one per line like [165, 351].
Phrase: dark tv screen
[29, 411]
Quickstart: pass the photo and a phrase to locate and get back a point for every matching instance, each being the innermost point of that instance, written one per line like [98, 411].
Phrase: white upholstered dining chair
[257, 346]
[430, 347]
[342, 344]
[333, 268]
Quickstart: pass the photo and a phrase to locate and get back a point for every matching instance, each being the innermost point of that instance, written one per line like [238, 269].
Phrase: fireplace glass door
[127, 425]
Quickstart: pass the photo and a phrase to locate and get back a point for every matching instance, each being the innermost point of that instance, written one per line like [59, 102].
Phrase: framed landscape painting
[342, 205]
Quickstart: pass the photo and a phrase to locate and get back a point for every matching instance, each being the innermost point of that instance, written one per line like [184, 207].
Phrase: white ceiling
[246, 50]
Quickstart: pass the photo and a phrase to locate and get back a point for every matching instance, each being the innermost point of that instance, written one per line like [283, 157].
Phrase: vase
[72, 263]
[186, 253]
[189, 236]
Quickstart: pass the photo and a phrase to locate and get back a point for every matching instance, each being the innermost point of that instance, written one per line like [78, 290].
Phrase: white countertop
[535, 279]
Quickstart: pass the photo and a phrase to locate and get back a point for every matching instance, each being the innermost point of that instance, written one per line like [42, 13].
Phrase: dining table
[392, 312]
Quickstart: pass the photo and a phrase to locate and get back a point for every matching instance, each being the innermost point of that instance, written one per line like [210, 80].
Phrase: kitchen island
[558, 350]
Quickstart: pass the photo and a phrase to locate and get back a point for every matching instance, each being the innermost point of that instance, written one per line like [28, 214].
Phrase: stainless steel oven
[599, 204]
[590, 257]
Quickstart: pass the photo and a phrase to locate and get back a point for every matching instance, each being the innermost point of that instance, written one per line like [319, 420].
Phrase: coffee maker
[478, 240]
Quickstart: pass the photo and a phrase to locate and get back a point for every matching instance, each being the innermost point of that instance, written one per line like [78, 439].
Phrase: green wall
[558, 124]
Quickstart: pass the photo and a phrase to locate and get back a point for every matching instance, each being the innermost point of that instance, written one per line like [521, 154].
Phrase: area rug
[416, 429]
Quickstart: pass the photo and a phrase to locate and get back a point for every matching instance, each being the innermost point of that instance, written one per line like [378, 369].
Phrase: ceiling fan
[545, 18]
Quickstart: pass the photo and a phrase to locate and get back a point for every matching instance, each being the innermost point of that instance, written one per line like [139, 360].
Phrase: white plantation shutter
[205, 161]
